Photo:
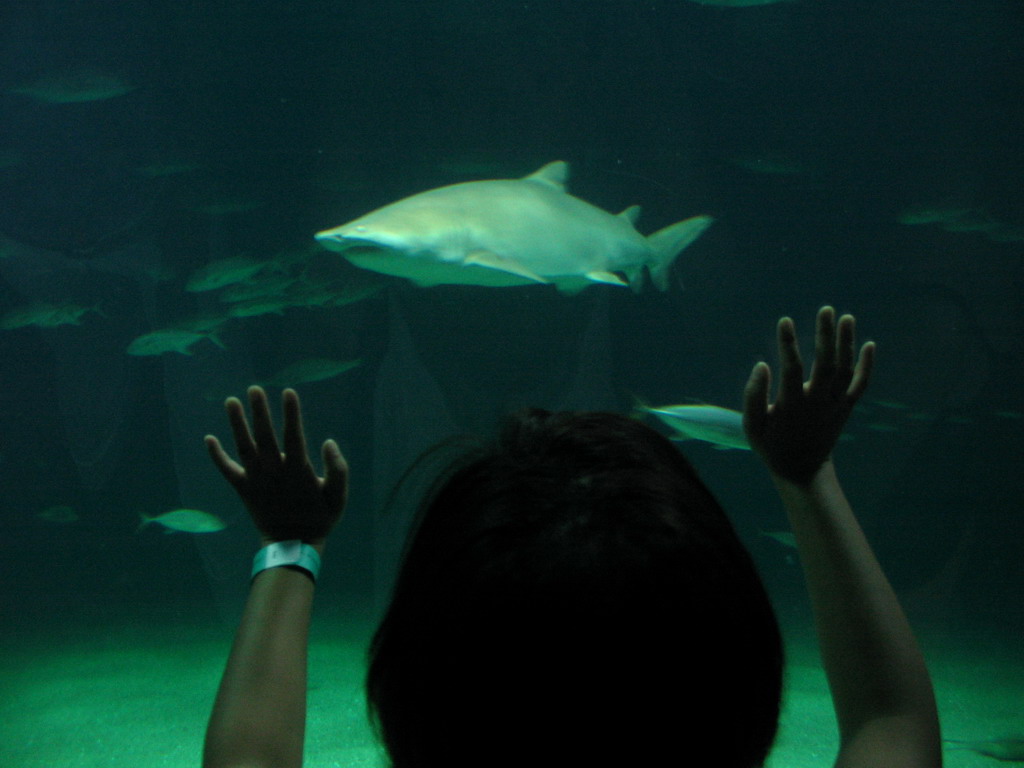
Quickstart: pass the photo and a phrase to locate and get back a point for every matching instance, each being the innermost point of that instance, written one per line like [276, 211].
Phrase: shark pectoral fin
[492, 260]
[605, 277]
[554, 175]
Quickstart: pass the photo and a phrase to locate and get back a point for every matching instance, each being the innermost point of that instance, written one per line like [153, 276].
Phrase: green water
[862, 154]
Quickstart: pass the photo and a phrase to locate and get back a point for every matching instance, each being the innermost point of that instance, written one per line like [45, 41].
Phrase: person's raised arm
[881, 690]
[259, 716]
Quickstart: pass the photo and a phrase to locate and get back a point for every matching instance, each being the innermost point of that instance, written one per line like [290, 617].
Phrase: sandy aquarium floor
[139, 694]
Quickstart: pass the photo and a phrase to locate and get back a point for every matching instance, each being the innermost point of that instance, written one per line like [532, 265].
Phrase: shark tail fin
[669, 242]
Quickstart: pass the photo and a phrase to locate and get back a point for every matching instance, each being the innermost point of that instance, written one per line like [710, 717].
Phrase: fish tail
[666, 244]
[143, 521]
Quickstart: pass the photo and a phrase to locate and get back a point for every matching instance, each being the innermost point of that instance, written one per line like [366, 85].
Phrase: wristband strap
[293, 553]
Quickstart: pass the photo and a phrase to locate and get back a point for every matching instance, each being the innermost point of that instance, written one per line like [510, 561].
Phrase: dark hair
[574, 595]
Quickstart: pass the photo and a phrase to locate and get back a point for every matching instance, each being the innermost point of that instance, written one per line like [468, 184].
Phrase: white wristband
[284, 553]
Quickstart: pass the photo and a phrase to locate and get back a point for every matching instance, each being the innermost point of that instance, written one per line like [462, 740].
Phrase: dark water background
[806, 129]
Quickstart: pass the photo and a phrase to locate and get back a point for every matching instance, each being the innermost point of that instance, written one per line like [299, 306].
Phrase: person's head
[574, 595]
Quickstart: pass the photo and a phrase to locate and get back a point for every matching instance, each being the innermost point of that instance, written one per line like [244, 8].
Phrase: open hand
[795, 434]
[283, 493]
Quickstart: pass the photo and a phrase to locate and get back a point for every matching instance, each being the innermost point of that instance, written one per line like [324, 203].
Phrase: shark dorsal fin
[631, 214]
[554, 175]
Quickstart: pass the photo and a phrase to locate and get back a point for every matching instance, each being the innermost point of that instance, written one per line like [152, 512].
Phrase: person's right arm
[880, 686]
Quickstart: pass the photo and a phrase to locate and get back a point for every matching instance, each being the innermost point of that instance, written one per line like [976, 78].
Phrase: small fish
[785, 538]
[310, 370]
[221, 272]
[59, 513]
[933, 214]
[259, 287]
[169, 168]
[507, 232]
[169, 340]
[267, 305]
[75, 87]
[736, 3]
[882, 426]
[46, 315]
[1009, 749]
[184, 520]
[710, 423]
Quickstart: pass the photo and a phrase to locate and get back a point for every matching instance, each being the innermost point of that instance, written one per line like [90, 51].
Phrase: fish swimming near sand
[228, 271]
[46, 315]
[73, 87]
[1009, 749]
[184, 520]
[310, 370]
[169, 340]
[721, 426]
[508, 232]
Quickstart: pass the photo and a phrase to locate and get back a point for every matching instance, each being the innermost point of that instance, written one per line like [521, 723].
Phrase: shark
[509, 232]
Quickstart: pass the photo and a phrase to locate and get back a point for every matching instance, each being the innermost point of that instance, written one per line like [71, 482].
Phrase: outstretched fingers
[231, 469]
[263, 425]
[791, 376]
[294, 434]
[335, 483]
[862, 373]
[755, 399]
[823, 370]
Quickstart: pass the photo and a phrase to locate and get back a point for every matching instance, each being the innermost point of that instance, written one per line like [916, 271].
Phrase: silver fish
[75, 87]
[184, 520]
[169, 340]
[310, 370]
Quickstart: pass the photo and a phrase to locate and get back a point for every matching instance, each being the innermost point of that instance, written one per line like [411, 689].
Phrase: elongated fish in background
[710, 423]
[509, 232]
[75, 87]
[310, 370]
[217, 274]
[736, 3]
[46, 315]
[184, 520]
[1009, 749]
[169, 340]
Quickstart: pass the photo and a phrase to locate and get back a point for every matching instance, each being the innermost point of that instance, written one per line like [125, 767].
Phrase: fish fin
[143, 521]
[214, 338]
[554, 175]
[669, 242]
[492, 260]
[635, 278]
[599, 276]
[631, 214]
